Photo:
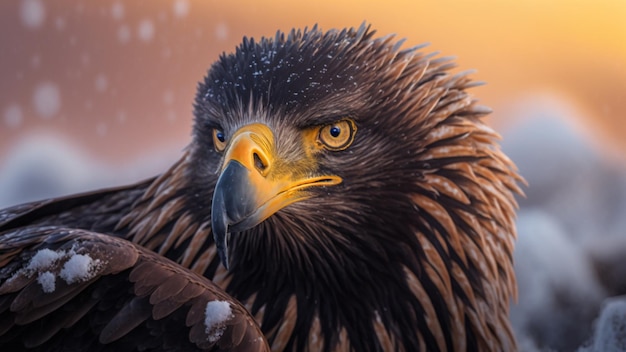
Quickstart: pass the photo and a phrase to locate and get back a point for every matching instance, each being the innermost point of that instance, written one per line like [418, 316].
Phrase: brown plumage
[350, 187]
[70, 289]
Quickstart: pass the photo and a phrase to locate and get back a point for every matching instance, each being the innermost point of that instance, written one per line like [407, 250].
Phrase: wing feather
[70, 289]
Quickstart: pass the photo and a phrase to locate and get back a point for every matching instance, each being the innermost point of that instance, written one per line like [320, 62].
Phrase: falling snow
[166, 53]
[85, 59]
[181, 8]
[145, 30]
[13, 116]
[215, 316]
[35, 61]
[121, 116]
[59, 23]
[221, 31]
[102, 129]
[47, 100]
[32, 13]
[117, 10]
[168, 97]
[101, 83]
[123, 34]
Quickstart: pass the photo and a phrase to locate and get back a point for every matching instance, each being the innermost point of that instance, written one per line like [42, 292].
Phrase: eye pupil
[335, 131]
[220, 136]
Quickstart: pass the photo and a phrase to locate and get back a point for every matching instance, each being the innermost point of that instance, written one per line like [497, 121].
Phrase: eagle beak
[251, 187]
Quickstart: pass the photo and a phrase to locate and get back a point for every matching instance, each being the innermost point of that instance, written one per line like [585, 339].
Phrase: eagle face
[299, 120]
[343, 173]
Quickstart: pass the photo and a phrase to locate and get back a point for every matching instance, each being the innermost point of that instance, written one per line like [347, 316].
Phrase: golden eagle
[343, 189]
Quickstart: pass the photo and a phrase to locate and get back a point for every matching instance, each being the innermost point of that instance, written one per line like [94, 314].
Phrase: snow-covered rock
[610, 328]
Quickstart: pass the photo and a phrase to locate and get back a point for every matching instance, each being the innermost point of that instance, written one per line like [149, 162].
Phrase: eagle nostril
[258, 163]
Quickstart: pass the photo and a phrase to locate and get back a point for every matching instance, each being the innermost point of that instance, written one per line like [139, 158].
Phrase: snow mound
[215, 316]
[46, 264]
[45, 165]
[79, 268]
[47, 280]
[559, 295]
[610, 332]
[44, 259]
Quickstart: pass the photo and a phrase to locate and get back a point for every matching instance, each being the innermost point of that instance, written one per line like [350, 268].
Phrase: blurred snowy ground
[571, 230]
[45, 166]
[571, 224]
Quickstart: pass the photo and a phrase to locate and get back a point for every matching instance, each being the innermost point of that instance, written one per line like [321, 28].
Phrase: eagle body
[343, 189]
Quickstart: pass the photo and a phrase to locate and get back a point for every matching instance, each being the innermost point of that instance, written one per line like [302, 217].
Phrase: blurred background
[99, 93]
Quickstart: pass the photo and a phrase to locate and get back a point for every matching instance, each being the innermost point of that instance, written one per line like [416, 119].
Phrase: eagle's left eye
[219, 139]
[338, 135]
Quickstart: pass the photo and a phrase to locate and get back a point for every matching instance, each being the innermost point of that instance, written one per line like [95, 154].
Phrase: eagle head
[355, 181]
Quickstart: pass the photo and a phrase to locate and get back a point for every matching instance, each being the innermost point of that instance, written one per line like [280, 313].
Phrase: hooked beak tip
[220, 227]
[223, 253]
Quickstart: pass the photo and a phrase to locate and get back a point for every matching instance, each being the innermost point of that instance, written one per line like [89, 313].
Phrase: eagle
[340, 192]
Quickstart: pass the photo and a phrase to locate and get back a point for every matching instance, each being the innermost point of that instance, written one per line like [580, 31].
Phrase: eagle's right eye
[219, 139]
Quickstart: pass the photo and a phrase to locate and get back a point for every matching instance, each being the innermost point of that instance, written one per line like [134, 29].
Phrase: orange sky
[126, 72]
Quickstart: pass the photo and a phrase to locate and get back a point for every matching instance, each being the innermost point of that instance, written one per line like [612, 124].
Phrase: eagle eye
[219, 139]
[338, 135]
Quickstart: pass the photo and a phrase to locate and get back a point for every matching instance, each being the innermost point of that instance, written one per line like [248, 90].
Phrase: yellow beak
[254, 184]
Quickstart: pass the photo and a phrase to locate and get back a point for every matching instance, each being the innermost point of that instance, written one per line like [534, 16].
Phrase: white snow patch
[44, 259]
[46, 262]
[123, 34]
[80, 267]
[102, 83]
[47, 280]
[215, 315]
[47, 99]
[13, 116]
[117, 10]
[32, 13]
[181, 8]
[145, 30]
